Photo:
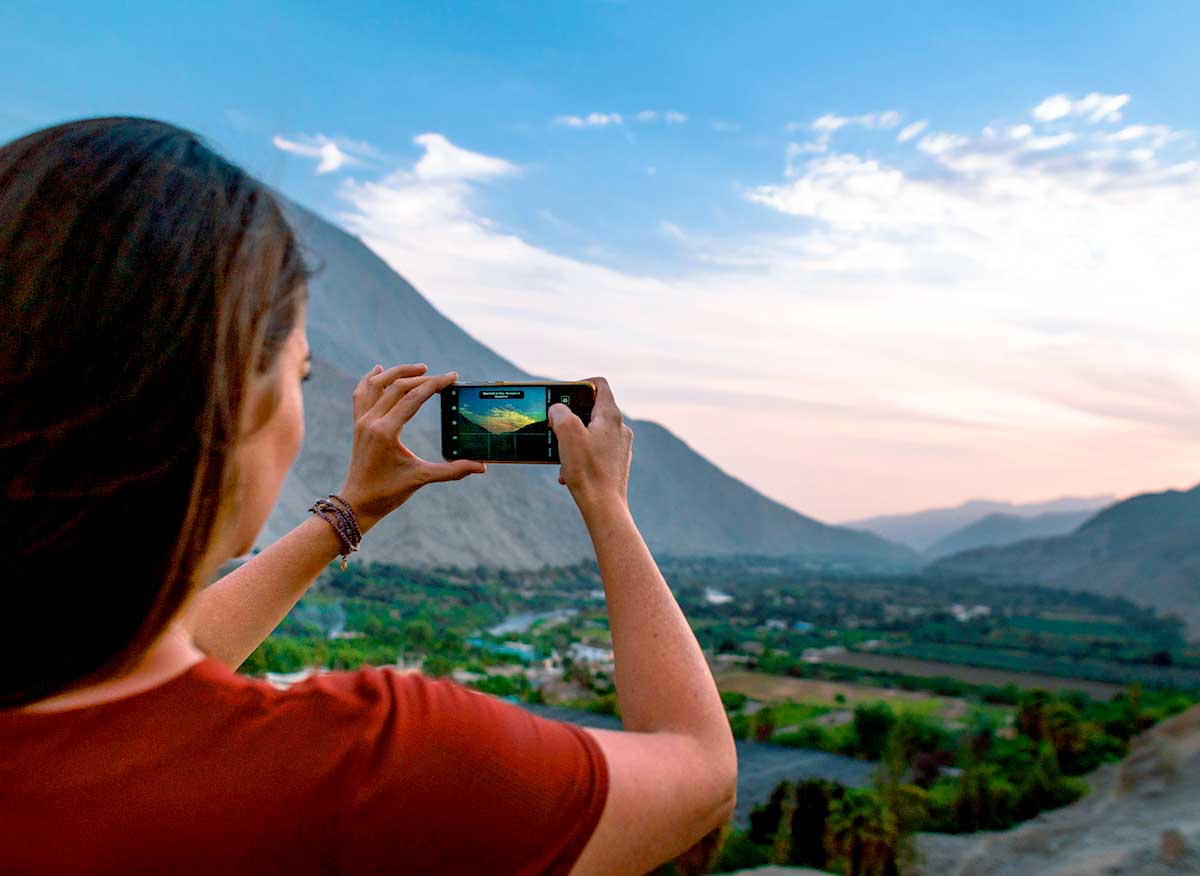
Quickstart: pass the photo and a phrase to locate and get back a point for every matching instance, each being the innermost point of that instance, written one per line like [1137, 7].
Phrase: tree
[764, 724]
[1031, 710]
[809, 820]
[764, 818]
[1044, 785]
[418, 633]
[872, 724]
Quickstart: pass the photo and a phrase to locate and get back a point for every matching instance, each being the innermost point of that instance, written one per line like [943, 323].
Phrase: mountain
[1145, 549]
[995, 530]
[920, 530]
[362, 312]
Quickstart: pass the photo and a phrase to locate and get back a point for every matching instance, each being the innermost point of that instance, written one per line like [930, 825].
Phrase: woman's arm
[231, 618]
[673, 772]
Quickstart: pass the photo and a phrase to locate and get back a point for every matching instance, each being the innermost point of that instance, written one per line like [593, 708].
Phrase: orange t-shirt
[347, 772]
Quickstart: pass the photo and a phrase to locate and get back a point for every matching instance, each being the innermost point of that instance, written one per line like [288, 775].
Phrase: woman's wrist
[603, 508]
[365, 512]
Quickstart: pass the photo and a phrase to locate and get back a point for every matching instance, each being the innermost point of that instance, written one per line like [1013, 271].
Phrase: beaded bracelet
[337, 512]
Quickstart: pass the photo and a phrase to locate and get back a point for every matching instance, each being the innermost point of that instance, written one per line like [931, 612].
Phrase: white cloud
[591, 120]
[445, 161]
[725, 127]
[1052, 108]
[1101, 107]
[331, 153]
[1095, 107]
[671, 117]
[829, 123]
[908, 132]
[1054, 141]
[1020, 132]
[936, 144]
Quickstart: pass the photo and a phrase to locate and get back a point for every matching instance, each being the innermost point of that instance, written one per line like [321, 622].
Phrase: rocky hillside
[1145, 549]
[362, 312]
[1142, 818]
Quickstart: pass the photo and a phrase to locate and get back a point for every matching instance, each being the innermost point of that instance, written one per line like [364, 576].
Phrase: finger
[383, 378]
[439, 472]
[605, 404]
[360, 392]
[378, 381]
[363, 382]
[404, 409]
[564, 422]
[395, 391]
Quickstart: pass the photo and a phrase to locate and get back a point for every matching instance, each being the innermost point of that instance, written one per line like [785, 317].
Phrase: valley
[813, 666]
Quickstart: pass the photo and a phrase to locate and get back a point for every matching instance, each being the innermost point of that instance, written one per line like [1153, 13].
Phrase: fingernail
[378, 367]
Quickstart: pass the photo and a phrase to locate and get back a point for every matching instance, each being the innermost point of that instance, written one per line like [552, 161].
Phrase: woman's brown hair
[144, 280]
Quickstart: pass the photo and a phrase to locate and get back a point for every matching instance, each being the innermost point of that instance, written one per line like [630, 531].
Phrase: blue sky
[926, 318]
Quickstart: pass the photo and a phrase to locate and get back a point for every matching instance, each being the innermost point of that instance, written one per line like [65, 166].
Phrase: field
[973, 675]
[784, 688]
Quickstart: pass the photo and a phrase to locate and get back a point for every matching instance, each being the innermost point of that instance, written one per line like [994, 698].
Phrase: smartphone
[507, 422]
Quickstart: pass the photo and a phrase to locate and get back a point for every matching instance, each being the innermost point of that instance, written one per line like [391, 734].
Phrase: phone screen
[507, 422]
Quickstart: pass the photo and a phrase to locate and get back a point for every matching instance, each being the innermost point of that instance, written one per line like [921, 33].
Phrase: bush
[738, 852]
[733, 702]
[805, 736]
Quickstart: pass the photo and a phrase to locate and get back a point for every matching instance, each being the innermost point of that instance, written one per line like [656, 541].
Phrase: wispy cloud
[827, 125]
[908, 132]
[332, 153]
[1095, 107]
[671, 117]
[591, 120]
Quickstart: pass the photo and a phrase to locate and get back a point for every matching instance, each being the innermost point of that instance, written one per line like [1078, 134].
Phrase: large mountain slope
[921, 529]
[1146, 549]
[1001, 529]
[362, 312]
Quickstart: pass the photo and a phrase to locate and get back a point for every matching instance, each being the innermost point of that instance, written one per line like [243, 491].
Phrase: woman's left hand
[383, 472]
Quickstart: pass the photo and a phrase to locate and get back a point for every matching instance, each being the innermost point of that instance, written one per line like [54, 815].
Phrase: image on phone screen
[507, 422]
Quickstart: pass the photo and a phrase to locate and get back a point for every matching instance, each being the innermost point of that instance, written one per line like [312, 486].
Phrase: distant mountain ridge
[920, 530]
[361, 312]
[995, 530]
[1146, 549]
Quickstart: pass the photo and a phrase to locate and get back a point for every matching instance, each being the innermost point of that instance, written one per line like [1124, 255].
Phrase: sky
[869, 259]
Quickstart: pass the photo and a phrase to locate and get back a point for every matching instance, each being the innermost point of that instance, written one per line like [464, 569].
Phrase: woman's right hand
[384, 473]
[595, 457]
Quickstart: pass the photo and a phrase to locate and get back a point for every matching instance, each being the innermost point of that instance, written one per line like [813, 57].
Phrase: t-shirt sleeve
[447, 780]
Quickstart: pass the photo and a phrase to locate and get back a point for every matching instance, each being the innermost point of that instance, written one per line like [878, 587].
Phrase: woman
[152, 346]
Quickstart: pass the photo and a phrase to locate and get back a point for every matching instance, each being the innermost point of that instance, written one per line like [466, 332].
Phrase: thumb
[560, 417]
[452, 471]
